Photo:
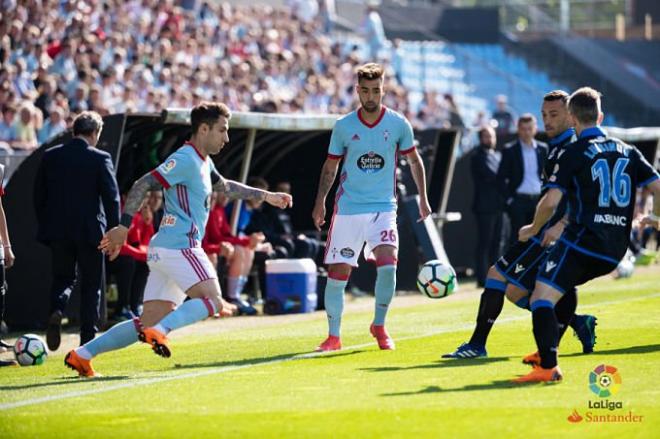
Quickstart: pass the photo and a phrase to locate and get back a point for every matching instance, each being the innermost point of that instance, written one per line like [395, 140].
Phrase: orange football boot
[80, 365]
[157, 340]
[541, 375]
[532, 359]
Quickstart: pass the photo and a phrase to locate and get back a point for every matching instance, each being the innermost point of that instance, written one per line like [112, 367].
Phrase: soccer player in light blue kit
[368, 141]
[178, 265]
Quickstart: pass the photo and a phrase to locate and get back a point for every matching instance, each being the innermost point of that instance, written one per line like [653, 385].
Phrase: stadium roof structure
[262, 121]
[254, 122]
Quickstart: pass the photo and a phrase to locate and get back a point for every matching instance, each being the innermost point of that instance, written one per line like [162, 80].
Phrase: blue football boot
[466, 350]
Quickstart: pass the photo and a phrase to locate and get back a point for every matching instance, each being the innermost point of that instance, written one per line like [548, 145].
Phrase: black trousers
[77, 264]
[521, 212]
[2, 290]
[489, 235]
[131, 276]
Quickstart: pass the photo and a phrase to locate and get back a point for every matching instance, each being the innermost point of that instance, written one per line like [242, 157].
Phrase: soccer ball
[626, 267]
[30, 350]
[436, 280]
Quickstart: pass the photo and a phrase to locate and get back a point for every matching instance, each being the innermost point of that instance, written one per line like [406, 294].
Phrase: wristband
[654, 217]
[126, 220]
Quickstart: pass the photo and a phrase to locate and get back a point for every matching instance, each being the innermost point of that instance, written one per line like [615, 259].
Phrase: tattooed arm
[235, 190]
[115, 237]
[328, 174]
[136, 195]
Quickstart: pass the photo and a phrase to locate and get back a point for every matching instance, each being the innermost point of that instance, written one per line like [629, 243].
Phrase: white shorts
[348, 233]
[172, 272]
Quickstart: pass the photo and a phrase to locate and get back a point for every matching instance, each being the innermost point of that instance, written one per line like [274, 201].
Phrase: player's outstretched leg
[490, 307]
[385, 288]
[186, 314]
[334, 306]
[119, 336]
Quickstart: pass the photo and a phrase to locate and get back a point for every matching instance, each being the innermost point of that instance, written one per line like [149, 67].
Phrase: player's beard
[370, 107]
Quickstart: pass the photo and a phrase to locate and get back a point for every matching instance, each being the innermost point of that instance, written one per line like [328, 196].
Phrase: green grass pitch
[251, 377]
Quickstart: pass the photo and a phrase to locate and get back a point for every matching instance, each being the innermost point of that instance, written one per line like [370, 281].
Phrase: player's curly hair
[370, 71]
[208, 113]
[584, 105]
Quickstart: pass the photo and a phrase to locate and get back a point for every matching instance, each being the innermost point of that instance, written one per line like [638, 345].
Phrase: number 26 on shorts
[388, 235]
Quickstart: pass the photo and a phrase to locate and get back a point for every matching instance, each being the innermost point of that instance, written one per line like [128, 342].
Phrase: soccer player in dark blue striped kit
[599, 176]
[514, 274]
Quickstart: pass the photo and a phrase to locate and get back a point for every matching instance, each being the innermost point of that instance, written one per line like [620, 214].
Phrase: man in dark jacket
[277, 226]
[519, 176]
[487, 203]
[76, 201]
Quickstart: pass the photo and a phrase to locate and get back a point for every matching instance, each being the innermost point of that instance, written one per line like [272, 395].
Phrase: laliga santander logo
[575, 417]
[604, 381]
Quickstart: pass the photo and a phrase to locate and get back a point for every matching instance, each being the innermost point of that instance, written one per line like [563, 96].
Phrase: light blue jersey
[187, 179]
[368, 176]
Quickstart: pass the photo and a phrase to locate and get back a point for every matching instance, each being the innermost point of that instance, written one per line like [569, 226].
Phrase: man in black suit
[487, 203]
[519, 176]
[76, 200]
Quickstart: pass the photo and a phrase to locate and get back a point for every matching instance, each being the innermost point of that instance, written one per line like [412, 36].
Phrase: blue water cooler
[290, 286]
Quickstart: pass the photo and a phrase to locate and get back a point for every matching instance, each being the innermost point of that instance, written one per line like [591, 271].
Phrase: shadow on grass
[66, 381]
[263, 360]
[236, 363]
[329, 355]
[494, 385]
[645, 349]
[439, 364]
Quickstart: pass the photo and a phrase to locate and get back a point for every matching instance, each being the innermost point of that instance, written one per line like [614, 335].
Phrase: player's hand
[256, 239]
[265, 247]
[9, 257]
[279, 199]
[318, 215]
[424, 211]
[647, 221]
[226, 250]
[553, 234]
[526, 232]
[226, 309]
[112, 241]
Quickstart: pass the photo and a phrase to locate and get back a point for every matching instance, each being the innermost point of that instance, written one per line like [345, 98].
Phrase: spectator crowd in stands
[58, 58]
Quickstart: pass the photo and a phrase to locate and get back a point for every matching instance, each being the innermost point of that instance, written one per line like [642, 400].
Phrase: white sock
[84, 353]
[162, 329]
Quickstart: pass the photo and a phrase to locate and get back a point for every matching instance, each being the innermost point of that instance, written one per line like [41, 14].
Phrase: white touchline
[219, 370]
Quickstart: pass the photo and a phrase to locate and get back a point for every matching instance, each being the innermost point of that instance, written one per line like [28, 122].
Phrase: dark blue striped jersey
[557, 147]
[600, 174]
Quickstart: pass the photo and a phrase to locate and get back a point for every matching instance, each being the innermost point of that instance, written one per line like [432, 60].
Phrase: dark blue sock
[565, 310]
[546, 332]
[490, 307]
